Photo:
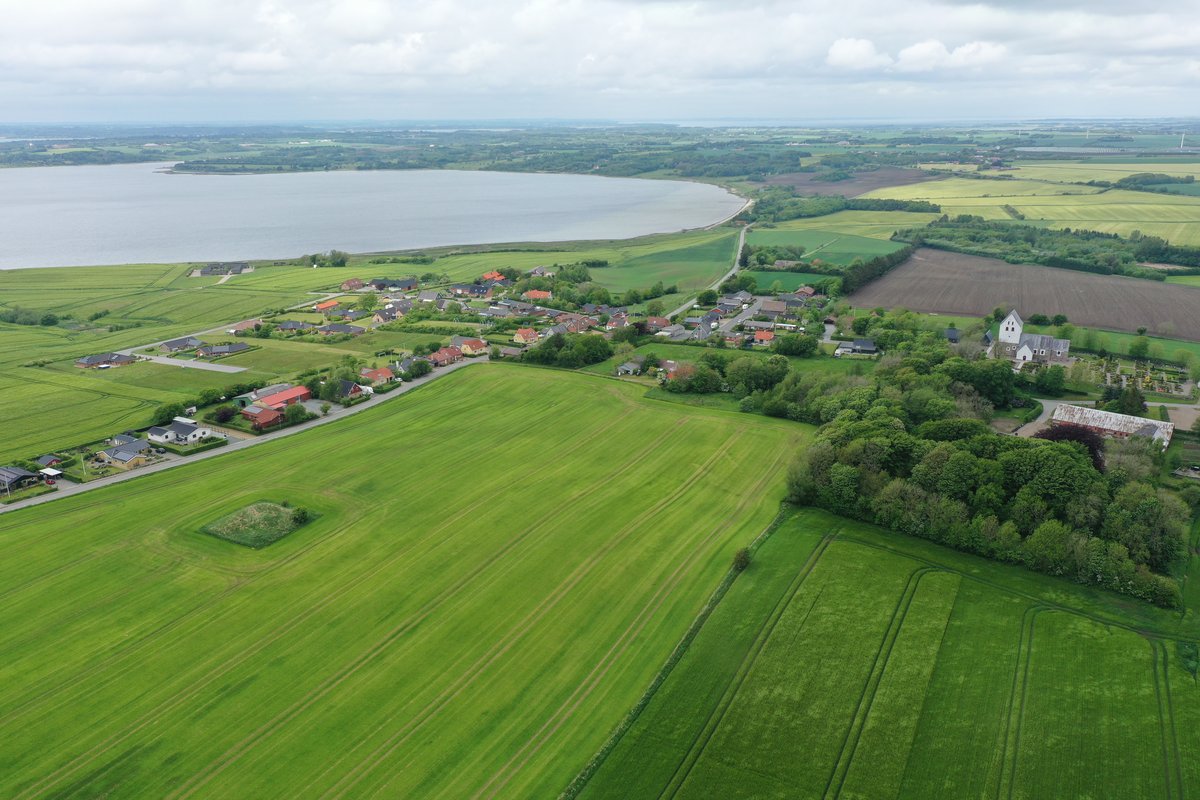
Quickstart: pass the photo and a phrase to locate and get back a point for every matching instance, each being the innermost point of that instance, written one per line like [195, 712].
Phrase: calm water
[134, 213]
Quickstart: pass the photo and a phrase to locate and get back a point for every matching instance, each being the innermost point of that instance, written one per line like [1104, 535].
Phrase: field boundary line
[1159, 664]
[584, 776]
[717, 714]
[584, 690]
[236, 751]
[862, 709]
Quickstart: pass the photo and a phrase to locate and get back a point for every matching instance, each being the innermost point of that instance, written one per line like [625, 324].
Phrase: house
[492, 276]
[445, 356]
[496, 312]
[738, 298]
[389, 314]
[428, 296]
[525, 336]
[351, 315]
[291, 326]
[616, 322]
[764, 338]
[250, 398]
[104, 361]
[326, 306]
[538, 294]
[735, 339]
[863, 347]
[632, 367]
[668, 369]
[228, 268]
[399, 284]
[473, 290]
[262, 418]
[377, 377]
[469, 346]
[1020, 347]
[338, 328]
[1109, 423]
[755, 325]
[510, 352]
[218, 350]
[951, 335]
[13, 478]
[127, 453]
[48, 461]
[404, 365]
[181, 431]
[541, 272]
[178, 345]
[656, 324]
[286, 397]
[352, 285]
[245, 325]
[349, 390]
[774, 309]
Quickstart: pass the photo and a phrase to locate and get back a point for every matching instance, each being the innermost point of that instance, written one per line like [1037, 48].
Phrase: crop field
[1084, 171]
[871, 224]
[849, 662]
[442, 628]
[859, 183]
[825, 245]
[1173, 217]
[951, 283]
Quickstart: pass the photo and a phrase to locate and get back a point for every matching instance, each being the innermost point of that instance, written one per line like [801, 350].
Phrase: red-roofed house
[328, 305]
[377, 376]
[538, 294]
[525, 336]
[616, 322]
[764, 337]
[472, 347]
[285, 398]
[445, 356]
[492, 276]
[656, 324]
[261, 417]
[352, 285]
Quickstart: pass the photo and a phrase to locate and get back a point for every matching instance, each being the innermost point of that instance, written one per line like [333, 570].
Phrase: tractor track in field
[382, 645]
[1015, 713]
[267, 639]
[472, 672]
[1159, 664]
[584, 690]
[765, 630]
[862, 709]
[34, 581]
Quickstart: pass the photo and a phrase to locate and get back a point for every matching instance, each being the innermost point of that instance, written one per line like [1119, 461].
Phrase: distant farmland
[951, 283]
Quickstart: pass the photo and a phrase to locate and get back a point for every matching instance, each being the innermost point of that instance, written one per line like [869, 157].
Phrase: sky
[623, 60]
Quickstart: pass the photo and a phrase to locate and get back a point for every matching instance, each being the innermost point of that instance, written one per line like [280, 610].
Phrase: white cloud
[856, 54]
[931, 54]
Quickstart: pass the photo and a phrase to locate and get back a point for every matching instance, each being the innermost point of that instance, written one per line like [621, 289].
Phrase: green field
[826, 245]
[1090, 170]
[790, 281]
[851, 662]
[871, 224]
[1173, 217]
[438, 630]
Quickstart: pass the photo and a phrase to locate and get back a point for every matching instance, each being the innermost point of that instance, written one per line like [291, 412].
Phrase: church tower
[1010, 328]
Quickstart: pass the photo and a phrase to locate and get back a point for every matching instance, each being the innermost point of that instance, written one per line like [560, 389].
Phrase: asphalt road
[732, 271]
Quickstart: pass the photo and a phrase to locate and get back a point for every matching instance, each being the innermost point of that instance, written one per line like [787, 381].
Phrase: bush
[300, 516]
[741, 559]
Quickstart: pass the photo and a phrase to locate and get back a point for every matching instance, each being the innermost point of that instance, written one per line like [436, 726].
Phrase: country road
[66, 489]
[732, 271]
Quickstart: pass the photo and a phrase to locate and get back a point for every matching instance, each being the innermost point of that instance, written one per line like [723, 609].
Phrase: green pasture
[871, 224]
[425, 634]
[847, 661]
[1089, 170]
[825, 245]
[1173, 217]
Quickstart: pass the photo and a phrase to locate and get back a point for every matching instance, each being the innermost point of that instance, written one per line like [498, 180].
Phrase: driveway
[66, 489]
[186, 363]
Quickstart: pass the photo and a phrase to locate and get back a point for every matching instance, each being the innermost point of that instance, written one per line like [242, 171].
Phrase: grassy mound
[257, 525]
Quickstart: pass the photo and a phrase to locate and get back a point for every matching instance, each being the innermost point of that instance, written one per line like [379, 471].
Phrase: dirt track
[951, 283]
[861, 183]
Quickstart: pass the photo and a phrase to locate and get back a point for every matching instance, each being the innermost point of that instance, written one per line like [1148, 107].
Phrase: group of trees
[780, 203]
[910, 450]
[570, 350]
[24, 316]
[1087, 251]
[764, 256]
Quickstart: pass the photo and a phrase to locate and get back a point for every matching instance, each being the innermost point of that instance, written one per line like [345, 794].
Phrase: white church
[1023, 348]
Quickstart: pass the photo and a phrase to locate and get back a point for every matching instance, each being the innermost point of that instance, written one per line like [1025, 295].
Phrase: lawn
[847, 661]
[437, 630]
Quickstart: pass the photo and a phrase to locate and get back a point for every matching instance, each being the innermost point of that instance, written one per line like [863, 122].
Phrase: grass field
[790, 281]
[847, 662]
[1173, 217]
[440, 629]
[1088, 170]
[952, 283]
[830, 246]
[871, 224]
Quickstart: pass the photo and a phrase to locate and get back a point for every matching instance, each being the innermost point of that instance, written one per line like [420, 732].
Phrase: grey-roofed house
[104, 360]
[864, 347]
[291, 325]
[338, 328]
[12, 478]
[180, 431]
[177, 345]
[217, 350]
[773, 308]
[428, 296]
[49, 460]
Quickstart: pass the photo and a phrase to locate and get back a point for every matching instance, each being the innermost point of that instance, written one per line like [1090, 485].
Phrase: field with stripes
[849, 662]
[499, 563]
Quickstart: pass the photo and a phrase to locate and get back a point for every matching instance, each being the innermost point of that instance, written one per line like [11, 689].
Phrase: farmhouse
[228, 268]
[181, 431]
[1020, 347]
[104, 361]
[218, 350]
[13, 478]
[1109, 423]
[179, 345]
[262, 418]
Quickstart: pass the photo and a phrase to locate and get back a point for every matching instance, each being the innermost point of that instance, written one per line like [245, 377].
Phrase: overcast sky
[278, 60]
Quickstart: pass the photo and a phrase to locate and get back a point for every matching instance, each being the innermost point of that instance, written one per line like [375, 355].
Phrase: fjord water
[138, 213]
